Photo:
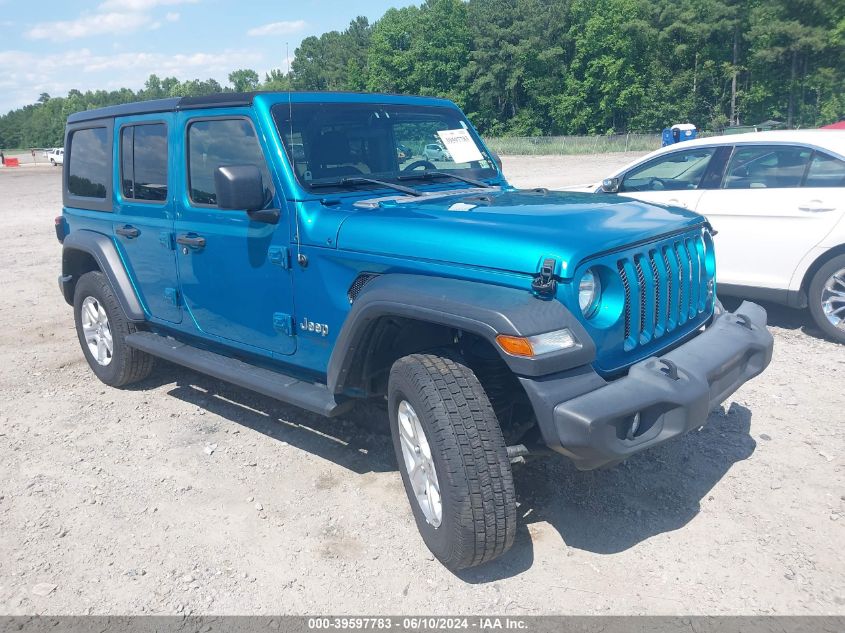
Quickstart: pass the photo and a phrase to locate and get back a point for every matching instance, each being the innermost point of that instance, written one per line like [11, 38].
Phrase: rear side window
[143, 161]
[767, 167]
[825, 171]
[89, 171]
[216, 142]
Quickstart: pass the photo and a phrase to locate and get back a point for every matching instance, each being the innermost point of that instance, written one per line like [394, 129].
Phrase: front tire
[826, 296]
[102, 329]
[452, 458]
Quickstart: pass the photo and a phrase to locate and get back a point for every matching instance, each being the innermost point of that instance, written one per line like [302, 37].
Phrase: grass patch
[553, 145]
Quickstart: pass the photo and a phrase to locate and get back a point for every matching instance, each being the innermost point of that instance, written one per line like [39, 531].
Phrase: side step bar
[313, 397]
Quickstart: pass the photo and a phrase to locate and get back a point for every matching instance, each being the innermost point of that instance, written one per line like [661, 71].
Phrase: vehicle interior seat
[790, 169]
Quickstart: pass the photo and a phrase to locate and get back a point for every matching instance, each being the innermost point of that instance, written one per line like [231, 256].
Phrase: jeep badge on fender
[531, 320]
[309, 326]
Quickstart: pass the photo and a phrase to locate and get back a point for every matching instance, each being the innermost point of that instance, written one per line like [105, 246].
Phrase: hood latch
[544, 283]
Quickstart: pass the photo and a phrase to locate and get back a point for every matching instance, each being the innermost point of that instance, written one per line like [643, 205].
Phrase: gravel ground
[186, 495]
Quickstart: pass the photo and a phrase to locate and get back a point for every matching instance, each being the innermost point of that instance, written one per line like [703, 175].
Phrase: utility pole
[734, 120]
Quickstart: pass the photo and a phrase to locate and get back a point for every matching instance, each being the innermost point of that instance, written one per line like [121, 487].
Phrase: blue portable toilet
[679, 132]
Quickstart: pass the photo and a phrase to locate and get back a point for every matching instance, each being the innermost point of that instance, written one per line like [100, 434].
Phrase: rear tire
[826, 297]
[463, 444]
[102, 329]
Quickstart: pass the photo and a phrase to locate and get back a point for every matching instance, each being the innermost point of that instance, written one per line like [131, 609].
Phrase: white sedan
[777, 203]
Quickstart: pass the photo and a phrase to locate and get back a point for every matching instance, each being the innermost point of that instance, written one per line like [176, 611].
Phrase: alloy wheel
[97, 331]
[419, 465]
[833, 299]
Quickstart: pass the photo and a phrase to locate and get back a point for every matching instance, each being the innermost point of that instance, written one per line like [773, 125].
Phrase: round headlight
[589, 293]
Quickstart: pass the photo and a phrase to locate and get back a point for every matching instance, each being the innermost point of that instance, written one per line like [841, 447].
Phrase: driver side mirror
[611, 185]
[240, 187]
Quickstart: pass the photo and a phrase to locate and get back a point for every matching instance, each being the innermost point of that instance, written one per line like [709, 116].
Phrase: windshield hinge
[544, 283]
[283, 323]
[279, 255]
[166, 239]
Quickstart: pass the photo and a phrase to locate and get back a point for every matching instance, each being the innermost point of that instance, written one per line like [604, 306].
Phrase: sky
[54, 46]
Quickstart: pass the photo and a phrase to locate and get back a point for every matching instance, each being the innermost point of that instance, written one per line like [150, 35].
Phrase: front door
[234, 272]
[776, 203]
[676, 178]
[143, 222]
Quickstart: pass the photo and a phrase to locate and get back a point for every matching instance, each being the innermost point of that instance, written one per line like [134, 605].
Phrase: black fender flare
[101, 247]
[482, 309]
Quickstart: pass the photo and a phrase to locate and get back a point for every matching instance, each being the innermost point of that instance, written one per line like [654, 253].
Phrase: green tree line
[539, 67]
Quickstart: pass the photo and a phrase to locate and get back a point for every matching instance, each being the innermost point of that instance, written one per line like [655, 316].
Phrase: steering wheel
[427, 164]
[658, 181]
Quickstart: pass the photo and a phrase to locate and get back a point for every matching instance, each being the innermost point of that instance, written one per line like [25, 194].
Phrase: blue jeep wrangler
[306, 247]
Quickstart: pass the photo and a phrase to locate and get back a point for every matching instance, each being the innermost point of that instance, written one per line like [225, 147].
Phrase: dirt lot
[187, 495]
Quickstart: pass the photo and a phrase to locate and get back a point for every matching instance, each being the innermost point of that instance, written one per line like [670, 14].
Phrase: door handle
[128, 231]
[191, 240]
[815, 206]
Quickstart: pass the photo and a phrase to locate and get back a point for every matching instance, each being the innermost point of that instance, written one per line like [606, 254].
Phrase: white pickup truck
[56, 156]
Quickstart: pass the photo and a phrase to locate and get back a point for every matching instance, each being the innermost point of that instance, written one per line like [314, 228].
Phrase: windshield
[335, 145]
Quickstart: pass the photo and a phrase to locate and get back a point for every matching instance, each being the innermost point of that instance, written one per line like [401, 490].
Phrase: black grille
[627, 288]
[674, 271]
[680, 277]
[358, 285]
[655, 275]
[670, 283]
[641, 283]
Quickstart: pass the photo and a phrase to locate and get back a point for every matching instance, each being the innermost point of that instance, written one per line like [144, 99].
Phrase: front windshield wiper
[428, 175]
[357, 180]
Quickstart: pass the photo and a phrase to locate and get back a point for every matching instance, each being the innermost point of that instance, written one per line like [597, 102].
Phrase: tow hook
[635, 426]
[669, 369]
[743, 320]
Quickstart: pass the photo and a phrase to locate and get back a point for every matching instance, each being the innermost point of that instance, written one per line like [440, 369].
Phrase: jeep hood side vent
[358, 285]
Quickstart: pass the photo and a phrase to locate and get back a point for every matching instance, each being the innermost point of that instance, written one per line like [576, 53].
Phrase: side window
[127, 136]
[216, 142]
[88, 170]
[825, 171]
[767, 167]
[143, 162]
[673, 172]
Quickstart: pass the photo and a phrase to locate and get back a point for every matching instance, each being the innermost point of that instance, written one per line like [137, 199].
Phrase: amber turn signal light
[539, 344]
[516, 345]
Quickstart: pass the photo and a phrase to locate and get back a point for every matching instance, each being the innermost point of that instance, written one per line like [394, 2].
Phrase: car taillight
[61, 228]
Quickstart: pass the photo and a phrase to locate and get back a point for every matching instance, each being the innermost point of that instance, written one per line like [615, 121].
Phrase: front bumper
[66, 287]
[659, 399]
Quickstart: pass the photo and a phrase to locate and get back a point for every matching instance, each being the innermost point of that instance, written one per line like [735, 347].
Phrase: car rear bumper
[659, 398]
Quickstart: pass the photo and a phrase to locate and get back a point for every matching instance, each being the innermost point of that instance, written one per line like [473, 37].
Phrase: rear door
[776, 203]
[234, 272]
[143, 222]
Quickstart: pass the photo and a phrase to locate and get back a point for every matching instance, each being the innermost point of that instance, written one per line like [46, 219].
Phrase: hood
[509, 230]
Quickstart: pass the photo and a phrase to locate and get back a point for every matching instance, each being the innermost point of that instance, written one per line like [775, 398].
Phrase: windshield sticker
[460, 145]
